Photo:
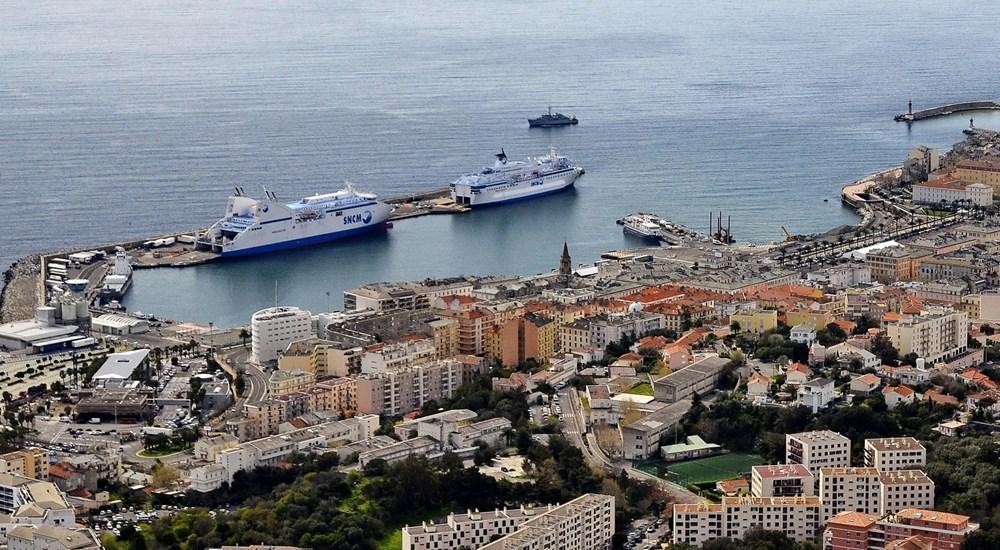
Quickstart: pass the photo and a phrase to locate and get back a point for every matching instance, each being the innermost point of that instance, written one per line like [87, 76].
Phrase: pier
[945, 110]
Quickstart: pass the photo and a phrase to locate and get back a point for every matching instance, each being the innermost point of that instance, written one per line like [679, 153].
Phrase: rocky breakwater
[20, 295]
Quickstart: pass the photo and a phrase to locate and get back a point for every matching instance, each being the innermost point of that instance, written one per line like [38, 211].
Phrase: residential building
[797, 517]
[469, 530]
[797, 374]
[756, 321]
[782, 480]
[385, 357]
[282, 382]
[926, 159]
[400, 391]
[699, 377]
[898, 395]
[892, 264]
[272, 329]
[846, 352]
[934, 334]
[584, 523]
[816, 394]
[758, 386]
[803, 334]
[818, 449]
[395, 452]
[900, 489]
[211, 444]
[262, 419]
[895, 453]
[858, 531]
[847, 489]
[379, 297]
[614, 327]
[51, 537]
[444, 333]
[30, 501]
[575, 335]
[32, 463]
[321, 358]
[527, 337]
[865, 384]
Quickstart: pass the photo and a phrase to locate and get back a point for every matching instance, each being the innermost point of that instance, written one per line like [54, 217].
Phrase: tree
[164, 475]
[484, 454]
[734, 326]
[244, 336]
[240, 384]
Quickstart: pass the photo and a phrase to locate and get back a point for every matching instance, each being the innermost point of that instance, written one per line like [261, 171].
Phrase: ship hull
[301, 242]
[507, 192]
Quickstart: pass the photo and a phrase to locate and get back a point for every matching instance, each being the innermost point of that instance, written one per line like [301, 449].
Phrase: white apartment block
[797, 517]
[612, 327]
[934, 335]
[818, 449]
[272, 450]
[782, 480]
[24, 500]
[584, 523]
[380, 358]
[849, 489]
[272, 329]
[903, 489]
[869, 491]
[895, 453]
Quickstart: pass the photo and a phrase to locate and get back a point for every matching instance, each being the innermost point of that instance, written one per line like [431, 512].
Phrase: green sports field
[712, 469]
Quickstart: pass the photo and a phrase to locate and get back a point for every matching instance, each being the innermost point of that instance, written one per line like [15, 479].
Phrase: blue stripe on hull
[519, 199]
[299, 243]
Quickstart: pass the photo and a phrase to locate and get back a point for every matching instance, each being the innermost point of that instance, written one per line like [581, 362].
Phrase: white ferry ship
[643, 225]
[257, 226]
[509, 181]
[119, 279]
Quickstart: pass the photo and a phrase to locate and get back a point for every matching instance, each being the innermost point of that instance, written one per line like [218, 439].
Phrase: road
[574, 427]
[236, 358]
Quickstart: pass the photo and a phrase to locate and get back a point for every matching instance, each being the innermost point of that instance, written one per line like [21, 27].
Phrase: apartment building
[444, 333]
[901, 489]
[859, 531]
[528, 337]
[575, 335]
[892, 264]
[379, 358]
[818, 449]
[468, 530]
[816, 394]
[282, 382]
[895, 453]
[782, 480]
[613, 327]
[260, 419]
[797, 517]
[321, 358]
[935, 334]
[211, 444]
[32, 463]
[641, 439]
[699, 377]
[401, 450]
[398, 392]
[272, 450]
[412, 296]
[31, 501]
[584, 523]
[846, 489]
[272, 329]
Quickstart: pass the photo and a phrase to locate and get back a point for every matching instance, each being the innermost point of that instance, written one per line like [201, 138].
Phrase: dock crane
[789, 238]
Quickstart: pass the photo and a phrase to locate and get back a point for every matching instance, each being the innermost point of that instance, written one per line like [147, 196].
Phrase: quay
[945, 110]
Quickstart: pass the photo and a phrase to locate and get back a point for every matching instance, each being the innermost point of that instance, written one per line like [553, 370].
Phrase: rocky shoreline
[20, 295]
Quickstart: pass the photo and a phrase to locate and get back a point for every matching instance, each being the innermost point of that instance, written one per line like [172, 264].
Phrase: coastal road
[237, 359]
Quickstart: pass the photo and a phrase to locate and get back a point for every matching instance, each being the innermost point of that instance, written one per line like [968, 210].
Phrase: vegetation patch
[642, 389]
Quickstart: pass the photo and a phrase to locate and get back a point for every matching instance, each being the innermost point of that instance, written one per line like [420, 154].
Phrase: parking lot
[545, 414]
[647, 533]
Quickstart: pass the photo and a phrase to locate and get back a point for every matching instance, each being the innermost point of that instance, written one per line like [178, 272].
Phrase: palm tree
[244, 336]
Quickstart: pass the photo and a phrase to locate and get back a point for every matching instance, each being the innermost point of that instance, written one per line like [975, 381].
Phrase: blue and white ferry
[257, 226]
[509, 181]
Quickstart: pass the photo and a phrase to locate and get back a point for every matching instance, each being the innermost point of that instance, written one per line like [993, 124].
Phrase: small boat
[551, 120]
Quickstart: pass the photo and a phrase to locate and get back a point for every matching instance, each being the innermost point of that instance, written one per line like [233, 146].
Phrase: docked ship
[257, 226]
[646, 226]
[509, 181]
[551, 120]
[119, 279]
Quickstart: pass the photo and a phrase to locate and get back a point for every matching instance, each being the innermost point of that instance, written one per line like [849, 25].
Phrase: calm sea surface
[126, 119]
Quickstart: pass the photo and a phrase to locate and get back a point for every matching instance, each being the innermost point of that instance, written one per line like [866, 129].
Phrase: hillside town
[823, 388]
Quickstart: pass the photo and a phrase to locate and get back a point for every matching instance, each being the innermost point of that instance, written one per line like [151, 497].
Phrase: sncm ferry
[258, 226]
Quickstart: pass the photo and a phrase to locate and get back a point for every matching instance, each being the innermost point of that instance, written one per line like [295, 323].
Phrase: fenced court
[711, 469]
